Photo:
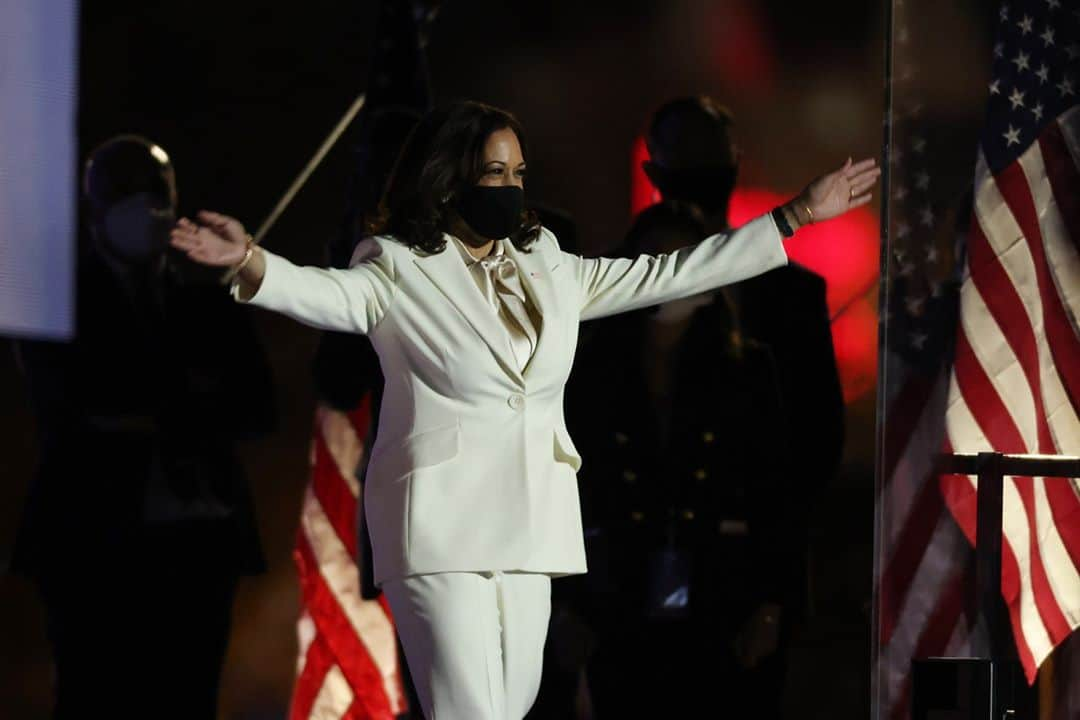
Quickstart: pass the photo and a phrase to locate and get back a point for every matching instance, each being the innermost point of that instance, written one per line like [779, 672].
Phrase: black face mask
[708, 186]
[136, 230]
[492, 212]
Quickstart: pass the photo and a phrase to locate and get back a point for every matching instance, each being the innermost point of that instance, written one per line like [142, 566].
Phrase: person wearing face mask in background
[681, 418]
[786, 310]
[694, 164]
[139, 523]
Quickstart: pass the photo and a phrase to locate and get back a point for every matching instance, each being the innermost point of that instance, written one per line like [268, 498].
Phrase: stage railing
[992, 623]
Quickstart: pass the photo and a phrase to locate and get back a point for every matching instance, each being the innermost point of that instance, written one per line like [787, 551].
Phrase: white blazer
[473, 469]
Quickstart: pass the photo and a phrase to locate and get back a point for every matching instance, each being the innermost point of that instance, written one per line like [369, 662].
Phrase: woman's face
[503, 161]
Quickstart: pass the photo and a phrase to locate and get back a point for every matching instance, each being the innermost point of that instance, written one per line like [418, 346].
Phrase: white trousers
[474, 642]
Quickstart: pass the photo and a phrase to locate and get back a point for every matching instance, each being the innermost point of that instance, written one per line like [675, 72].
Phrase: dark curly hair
[444, 156]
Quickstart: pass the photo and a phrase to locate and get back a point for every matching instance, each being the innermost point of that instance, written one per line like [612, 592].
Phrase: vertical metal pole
[988, 554]
[876, 698]
[990, 620]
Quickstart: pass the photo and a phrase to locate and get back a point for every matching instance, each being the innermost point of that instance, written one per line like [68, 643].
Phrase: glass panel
[937, 78]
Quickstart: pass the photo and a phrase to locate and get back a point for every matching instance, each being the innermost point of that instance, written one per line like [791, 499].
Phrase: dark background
[241, 93]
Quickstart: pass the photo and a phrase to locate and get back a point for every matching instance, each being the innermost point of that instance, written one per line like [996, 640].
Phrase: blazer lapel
[448, 273]
[536, 278]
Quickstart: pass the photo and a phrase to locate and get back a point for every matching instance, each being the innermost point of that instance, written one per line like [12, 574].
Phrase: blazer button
[516, 401]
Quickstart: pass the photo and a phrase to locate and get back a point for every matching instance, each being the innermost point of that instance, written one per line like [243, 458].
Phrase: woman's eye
[494, 171]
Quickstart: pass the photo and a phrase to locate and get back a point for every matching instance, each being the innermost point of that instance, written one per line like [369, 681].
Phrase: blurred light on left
[38, 166]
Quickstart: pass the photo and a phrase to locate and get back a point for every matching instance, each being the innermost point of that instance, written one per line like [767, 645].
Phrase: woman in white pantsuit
[471, 494]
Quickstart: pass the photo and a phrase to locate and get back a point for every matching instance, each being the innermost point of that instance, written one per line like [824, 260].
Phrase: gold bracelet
[249, 252]
[236, 269]
[809, 213]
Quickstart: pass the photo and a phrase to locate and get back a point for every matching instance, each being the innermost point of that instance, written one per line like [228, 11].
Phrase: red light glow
[844, 251]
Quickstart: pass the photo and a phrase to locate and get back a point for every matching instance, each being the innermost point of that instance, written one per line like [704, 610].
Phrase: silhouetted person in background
[683, 500]
[139, 521]
[694, 163]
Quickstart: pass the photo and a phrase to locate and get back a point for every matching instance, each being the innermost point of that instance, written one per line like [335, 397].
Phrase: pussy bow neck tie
[501, 285]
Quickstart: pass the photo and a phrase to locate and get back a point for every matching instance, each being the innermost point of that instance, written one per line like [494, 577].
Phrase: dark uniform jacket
[713, 495]
[137, 419]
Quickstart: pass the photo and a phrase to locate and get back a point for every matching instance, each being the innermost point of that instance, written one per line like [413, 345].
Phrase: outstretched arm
[352, 300]
[610, 286]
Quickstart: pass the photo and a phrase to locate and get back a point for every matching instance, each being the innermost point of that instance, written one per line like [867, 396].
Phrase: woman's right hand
[219, 241]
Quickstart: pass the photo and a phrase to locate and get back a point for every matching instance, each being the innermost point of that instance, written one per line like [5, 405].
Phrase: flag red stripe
[402, 701]
[317, 662]
[908, 553]
[355, 711]
[334, 495]
[1064, 178]
[905, 411]
[1064, 345]
[350, 653]
[984, 402]
[360, 417]
[999, 294]
[1053, 618]
[936, 632]
[1006, 307]
[1065, 508]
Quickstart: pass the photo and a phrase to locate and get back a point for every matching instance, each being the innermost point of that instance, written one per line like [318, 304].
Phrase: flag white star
[906, 269]
[1043, 73]
[922, 180]
[1053, 4]
[1048, 37]
[1065, 87]
[995, 87]
[926, 216]
[918, 144]
[932, 254]
[1037, 111]
[1004, 13]
[1025, 25]
[914, 305]
[999, 50]
[918, 340]
[1021, 61]
[1017, 98]
[1012, 136]
[902, 230]
[1073, 51]
[900, 193]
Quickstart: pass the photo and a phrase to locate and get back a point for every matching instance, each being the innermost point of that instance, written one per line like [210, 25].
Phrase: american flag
[348, 658]
[984, 357]
[1015, 384]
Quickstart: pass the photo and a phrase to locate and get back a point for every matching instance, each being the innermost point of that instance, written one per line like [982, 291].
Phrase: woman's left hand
[837, 192]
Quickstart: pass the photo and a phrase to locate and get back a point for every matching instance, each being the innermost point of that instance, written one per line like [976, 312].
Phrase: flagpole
[313, 163]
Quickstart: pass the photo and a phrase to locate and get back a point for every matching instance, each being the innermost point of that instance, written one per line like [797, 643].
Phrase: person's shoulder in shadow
[790, 279]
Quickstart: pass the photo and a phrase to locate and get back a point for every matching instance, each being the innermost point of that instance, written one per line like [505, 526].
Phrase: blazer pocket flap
[565, 452]
[421, 450]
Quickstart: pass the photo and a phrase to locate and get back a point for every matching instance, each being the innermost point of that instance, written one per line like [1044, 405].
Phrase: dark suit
[139, 520]
[786, 310]
[703, 510]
